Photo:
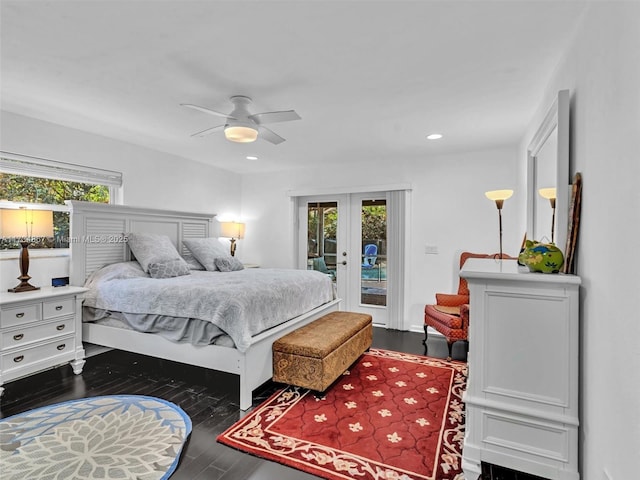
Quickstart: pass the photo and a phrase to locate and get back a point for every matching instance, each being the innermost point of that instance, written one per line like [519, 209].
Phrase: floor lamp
[550, 194]
[23, 225]
[499, 196]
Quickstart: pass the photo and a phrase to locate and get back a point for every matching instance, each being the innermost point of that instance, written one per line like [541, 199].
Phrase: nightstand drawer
[57, 308]
[25, 357]
[37, 332]
[12, 316]
[40, 329]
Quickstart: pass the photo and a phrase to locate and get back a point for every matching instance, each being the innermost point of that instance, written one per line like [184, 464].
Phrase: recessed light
[251, 157]
[434, 136]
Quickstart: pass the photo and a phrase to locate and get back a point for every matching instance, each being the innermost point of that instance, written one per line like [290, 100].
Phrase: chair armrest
[451, 300]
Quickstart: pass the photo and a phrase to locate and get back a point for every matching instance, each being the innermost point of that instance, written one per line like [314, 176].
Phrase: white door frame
[341, 241]
[399, 203]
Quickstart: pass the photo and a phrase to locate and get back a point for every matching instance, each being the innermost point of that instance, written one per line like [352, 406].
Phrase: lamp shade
[240, 134]
[548, 193]
[25, 223]
[232, 230]
[499, 194]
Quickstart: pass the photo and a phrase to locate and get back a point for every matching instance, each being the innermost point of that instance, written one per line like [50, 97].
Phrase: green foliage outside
[374, 224]
[20, 188]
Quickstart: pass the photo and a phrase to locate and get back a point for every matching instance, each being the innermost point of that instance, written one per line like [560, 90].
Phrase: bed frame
[97, 240]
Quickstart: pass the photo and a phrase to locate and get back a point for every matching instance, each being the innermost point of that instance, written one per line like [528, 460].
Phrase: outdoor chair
[370, 256]
[320, 265]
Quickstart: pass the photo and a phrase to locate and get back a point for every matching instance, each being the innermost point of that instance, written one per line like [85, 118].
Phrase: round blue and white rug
[118, 436]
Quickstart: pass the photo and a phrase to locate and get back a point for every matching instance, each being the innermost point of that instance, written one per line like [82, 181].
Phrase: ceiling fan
[242, 126]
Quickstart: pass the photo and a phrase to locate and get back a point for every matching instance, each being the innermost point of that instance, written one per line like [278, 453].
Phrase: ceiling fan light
[241, 134]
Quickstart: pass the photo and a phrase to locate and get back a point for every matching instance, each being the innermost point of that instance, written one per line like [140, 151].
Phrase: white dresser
[522, 393]
[40, 329]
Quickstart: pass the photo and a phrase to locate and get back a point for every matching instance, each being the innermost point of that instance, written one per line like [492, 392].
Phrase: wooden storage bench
[314, 356]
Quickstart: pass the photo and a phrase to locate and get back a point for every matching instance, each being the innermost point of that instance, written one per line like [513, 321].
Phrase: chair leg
[426, 336]
[449, 347]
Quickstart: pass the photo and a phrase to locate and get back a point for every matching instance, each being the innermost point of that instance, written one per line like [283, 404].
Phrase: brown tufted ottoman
[315, 355]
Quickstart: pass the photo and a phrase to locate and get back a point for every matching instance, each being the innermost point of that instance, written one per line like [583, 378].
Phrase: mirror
[545, 183]
[548, 169]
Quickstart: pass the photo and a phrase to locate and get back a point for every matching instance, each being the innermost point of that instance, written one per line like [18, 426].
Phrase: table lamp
[23, 225]
[234, 231]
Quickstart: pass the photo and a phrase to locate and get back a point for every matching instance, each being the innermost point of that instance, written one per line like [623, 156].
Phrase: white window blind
[39, 167]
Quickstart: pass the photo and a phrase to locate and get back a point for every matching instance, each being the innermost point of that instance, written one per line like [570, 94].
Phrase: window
[45, 185]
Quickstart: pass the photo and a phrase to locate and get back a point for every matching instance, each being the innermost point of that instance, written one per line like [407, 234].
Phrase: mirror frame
[557, 117]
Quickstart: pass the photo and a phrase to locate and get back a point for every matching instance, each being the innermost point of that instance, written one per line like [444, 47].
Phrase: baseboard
[420, 329]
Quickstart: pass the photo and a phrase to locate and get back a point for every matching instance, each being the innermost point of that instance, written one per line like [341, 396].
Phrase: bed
[97, 244]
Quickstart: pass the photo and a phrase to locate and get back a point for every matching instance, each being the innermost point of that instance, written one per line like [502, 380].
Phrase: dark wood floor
[211, 399]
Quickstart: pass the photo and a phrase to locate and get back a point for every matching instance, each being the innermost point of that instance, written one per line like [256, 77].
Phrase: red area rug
[392, 416]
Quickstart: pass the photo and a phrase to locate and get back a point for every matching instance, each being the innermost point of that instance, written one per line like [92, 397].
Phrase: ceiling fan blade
[207, 110]
[274, 117]
[207, 131]
[270, 136]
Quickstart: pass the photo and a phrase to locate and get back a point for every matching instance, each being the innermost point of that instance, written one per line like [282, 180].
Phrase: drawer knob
[58, 307]
[61, 347]
[20, 315]
[18, 337]
[18, 359]
[60, 327]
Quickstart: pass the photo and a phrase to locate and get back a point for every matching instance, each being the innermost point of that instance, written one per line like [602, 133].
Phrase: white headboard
[97, 233]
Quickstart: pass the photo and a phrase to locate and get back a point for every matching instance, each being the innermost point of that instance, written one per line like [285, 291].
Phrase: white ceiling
[370, 79]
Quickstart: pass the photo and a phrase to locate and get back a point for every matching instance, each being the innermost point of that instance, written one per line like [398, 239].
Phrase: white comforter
[242, 303]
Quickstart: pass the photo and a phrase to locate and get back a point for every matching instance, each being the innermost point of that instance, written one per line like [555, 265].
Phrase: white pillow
[192, 262]
[206, 250]
[154, 248]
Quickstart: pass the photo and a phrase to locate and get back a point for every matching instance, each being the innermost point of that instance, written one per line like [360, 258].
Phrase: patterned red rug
[392, 416]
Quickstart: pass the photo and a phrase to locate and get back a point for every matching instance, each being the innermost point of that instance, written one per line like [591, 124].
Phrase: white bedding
[242, 303]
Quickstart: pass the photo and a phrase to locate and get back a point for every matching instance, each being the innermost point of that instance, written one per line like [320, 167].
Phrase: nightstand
[39, 330]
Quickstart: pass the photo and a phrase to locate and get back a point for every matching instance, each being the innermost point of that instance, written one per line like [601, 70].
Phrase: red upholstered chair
[450, 314]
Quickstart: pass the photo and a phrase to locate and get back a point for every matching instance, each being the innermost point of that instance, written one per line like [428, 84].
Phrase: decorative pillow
[206, 250]
[228, 264]
[169, 268]
[152, 248]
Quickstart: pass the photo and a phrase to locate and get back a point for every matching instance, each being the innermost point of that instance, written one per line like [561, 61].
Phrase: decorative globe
[541, 257]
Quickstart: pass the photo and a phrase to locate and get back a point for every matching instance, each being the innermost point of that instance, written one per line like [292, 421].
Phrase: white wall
[151, 179]
[448, 209]
[602, 70]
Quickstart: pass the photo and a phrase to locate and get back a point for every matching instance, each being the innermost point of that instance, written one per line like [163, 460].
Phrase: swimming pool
[379, 272]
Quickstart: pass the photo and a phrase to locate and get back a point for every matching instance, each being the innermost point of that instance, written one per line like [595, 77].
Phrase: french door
[345, 237]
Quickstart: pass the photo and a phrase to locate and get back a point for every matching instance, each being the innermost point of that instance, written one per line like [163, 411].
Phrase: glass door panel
[322, 230]
[373, 268]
